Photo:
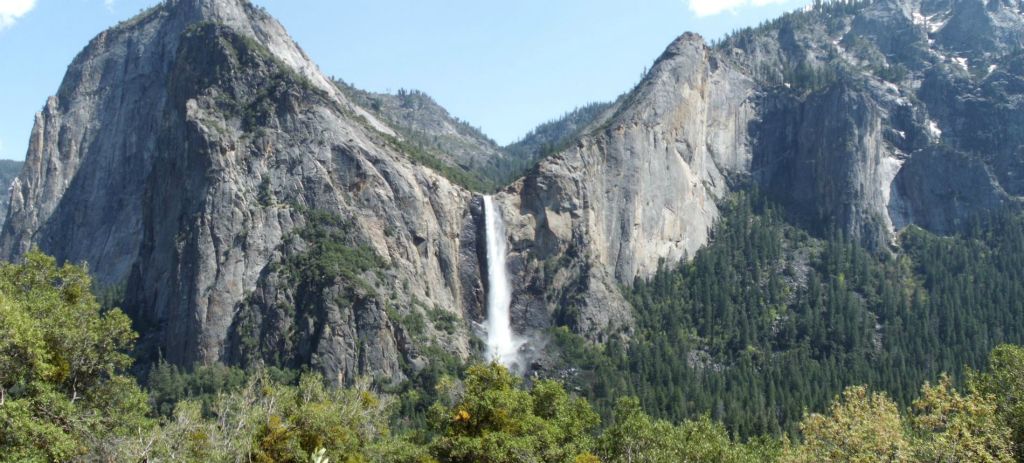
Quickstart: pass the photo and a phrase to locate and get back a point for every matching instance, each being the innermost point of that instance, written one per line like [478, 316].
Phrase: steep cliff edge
[9, 171]
[639, 191]
[861, 99]
[92, 146]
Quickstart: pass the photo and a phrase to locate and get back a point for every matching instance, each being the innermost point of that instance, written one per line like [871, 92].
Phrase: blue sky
[502, 66]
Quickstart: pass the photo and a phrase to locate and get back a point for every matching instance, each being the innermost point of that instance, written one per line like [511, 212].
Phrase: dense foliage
[495, 420]
[64, 397]
[62, 388]
[768, 321]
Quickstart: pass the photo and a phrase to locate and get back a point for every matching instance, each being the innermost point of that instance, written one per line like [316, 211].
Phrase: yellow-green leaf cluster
[62, 390]
[494, 420]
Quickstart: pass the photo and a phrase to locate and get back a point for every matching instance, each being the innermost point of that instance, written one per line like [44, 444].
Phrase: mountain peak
[234, 13]
[253, 21]
[686, 43]
[210, 7]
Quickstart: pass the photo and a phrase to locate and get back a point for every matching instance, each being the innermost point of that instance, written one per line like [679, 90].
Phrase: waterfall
[502, 345]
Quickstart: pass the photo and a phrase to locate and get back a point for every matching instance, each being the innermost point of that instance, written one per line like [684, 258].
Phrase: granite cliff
[199, 162]
[9, 171]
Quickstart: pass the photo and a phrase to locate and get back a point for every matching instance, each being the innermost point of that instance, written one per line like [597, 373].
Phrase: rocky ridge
[462, 152]
[429, 129]
[192, 157]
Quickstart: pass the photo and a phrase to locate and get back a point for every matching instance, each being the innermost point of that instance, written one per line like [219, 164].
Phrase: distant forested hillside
[768, 321]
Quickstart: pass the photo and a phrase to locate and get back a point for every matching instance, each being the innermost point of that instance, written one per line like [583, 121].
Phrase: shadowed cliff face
[838, 166]
[253, 213]
[94, 142]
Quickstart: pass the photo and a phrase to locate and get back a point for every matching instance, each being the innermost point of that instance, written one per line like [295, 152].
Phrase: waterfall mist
[502, 344]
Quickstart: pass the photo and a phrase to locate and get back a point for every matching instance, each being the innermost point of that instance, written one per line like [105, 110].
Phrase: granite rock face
[857, 102]
[640, 190]
[838, 166]
[9, 171]
[192, 157]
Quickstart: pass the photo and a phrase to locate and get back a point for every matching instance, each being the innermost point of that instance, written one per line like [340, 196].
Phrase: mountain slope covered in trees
[464, 153]
[768, 321]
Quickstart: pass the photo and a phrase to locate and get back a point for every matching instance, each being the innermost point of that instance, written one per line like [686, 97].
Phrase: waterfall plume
[502, 344]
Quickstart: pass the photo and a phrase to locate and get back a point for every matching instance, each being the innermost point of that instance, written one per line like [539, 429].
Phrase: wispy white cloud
[713, 7]
[109, 4]
[11, 10]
